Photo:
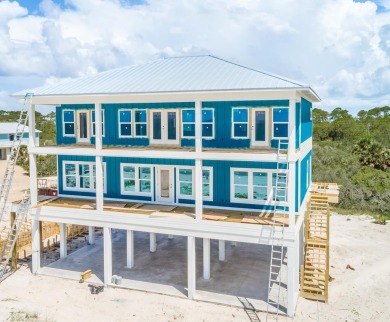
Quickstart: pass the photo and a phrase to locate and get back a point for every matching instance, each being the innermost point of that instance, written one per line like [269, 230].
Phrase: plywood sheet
[214, 217]
[157, 207]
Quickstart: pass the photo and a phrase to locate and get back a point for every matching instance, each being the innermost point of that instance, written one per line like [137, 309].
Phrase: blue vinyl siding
[306, 123]
[303, 176]
[222, 122]
[221, 178]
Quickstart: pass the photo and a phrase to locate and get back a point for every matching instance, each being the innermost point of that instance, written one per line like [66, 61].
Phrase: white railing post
[198, 162]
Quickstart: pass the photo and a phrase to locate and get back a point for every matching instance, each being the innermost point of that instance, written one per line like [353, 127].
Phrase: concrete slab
[243, 275]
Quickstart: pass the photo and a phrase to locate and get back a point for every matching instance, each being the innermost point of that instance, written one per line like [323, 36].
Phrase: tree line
[355, 153]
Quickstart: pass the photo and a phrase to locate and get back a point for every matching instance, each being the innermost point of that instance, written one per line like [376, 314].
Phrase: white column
[99, 159]
[32, 158]
[198, 162]
[291, 194]
[35, 247]
[63, 242]
[99, 184]
[91, 235]
[130, 249]
[98, 126]
[206, 258]
[153, 242]
[221, 250]
[290, 281]
[191, 267]
[107, 245]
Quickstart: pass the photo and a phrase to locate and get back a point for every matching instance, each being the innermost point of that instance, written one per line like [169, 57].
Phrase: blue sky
[340, 47]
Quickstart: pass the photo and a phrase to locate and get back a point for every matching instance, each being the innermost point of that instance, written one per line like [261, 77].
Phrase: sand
[361, 294]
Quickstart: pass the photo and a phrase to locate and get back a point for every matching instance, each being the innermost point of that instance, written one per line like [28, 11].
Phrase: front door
[165, 129]
[260, 128]
[83, 131]
[164, 185]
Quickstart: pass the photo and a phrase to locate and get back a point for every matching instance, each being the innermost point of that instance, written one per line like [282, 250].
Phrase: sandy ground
[361, 294]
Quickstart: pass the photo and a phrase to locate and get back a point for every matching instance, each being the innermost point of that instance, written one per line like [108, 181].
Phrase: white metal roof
[179, 74]
[10, 128]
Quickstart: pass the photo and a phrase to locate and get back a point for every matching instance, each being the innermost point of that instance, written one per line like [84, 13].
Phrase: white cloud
[338, 46]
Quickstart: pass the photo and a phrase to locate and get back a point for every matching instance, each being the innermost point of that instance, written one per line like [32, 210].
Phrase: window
[93, 122]
[140, 121]
[240, 123]
[280, 120]
[207, 123]
[188, 123]
[186, 186]
[136, 180]
[125, 123]
[80, 176]
[260, 186]
[185, 183]
[256, 186]
[207, 184]
[68, 120]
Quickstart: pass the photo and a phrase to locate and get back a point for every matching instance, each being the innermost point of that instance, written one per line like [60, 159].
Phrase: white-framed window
[208, 123]
[68, 119]
[207, 183]
[240, 119]
[188, 123]
[185, 183]
[256, 186]
[125, 123]
[93, 123]
[280, 123]
[81, 176]
[136, 179]
[141, 123]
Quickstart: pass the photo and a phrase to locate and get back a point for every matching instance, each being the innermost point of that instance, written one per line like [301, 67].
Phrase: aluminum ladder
[21, 214]
[14, 155]
[279, 198]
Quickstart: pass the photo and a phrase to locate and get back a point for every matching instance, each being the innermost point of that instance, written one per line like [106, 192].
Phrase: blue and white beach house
[184, 146]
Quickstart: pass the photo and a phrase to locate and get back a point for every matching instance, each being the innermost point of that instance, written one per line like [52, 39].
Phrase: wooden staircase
[315, 271]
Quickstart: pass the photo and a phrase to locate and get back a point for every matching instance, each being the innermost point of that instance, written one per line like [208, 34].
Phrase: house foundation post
[206, 258]
[191, 264]
[36, 246]
[153, 242]
[222, 250]
[63, 241]
[107, 254]
[130, 249]
[291, 299]
[91, 235]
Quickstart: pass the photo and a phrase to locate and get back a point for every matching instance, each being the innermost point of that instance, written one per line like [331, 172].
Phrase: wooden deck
[156, 210]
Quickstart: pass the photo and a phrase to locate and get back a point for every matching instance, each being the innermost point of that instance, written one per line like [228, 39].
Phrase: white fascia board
[162, 154]
[246, 95]
[247, 233]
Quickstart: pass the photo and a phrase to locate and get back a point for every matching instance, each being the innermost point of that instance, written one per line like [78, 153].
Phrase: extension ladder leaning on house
[280, 206]
[24, 206]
